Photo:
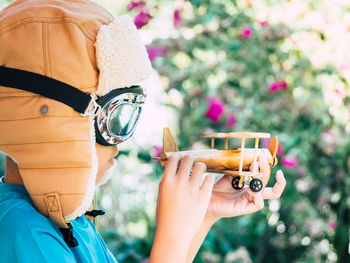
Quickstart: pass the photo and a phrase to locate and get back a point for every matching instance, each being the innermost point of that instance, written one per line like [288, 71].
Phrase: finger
[198, 170]
[277, 190]
[171, 167]
[207, 185]
[185, 167]
[257, 199]
[255, 203]
[264, 169]
[263, 164]
[249, 195]
[224, 184]
[254, 167]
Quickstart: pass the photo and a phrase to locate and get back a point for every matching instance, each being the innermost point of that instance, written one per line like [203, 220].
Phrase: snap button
[44, 110]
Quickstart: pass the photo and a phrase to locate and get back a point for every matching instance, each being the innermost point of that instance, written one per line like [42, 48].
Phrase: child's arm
[226, 202]
[181, 208]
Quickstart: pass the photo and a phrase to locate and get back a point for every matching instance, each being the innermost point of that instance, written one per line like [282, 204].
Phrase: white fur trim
[90, 187]
[121, 57]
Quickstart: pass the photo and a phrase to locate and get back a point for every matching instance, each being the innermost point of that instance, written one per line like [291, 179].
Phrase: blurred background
[274, 66]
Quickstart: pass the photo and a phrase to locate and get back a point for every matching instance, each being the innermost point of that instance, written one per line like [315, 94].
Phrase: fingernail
[280, 175]
[203, 164]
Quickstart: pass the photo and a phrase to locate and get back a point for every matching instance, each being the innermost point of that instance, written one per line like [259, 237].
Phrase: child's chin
[107, 173]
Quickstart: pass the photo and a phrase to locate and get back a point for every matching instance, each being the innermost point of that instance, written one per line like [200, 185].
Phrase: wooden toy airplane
[233, 162]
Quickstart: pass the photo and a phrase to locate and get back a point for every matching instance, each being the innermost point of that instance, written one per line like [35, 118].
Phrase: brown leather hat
[79, 43]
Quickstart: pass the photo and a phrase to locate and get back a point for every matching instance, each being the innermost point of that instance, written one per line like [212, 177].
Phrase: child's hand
[182, 206]
[227, 202]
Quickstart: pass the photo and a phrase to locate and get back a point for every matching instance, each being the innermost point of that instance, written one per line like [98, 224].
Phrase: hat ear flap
[91, 180]
[57, 162]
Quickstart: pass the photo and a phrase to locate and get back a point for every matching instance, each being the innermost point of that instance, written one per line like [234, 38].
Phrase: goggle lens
[123, 120]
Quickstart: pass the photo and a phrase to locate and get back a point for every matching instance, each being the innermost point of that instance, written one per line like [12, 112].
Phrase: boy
[68, 96]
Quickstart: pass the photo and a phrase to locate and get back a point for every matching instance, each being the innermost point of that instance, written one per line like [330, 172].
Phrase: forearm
[199, 238]
[168, 249]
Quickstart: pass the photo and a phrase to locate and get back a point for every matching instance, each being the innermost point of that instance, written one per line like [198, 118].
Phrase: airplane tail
[169, 144]
[273, 148]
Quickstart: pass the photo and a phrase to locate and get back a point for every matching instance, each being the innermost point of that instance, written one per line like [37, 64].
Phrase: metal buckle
[92, 109]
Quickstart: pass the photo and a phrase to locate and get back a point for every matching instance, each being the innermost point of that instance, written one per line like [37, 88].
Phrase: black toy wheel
[235, 183]
[256, 185]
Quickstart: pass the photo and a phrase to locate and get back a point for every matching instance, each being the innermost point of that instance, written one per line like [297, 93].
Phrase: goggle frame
[109, 103]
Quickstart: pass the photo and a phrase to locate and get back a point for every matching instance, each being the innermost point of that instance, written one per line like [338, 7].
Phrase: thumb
[256, 198]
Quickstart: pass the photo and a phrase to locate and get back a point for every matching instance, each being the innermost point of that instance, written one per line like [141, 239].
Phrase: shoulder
[18, 215]
[28, 236]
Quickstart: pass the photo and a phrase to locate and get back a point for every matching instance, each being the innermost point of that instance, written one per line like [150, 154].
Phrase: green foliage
[4, 2]
[217, 60]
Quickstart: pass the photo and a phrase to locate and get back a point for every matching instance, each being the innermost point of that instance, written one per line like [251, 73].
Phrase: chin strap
[68, 237]
[55, 214]
[67, 233]
[93, 213]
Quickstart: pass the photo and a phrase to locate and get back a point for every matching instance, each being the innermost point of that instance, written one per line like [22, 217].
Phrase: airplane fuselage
[223, 159]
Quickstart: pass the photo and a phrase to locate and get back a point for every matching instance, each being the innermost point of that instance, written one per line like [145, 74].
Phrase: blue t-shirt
[28, 236]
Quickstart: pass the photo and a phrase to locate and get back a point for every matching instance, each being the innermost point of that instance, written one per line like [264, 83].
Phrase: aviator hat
[79, 43]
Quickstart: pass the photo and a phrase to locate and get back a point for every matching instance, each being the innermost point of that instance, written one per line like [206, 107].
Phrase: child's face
[105, 156]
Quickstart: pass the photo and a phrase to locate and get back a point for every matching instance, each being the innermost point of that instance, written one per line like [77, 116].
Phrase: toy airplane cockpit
[233, 162]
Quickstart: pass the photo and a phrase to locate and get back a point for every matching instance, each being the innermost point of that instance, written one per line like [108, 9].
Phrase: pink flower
[215, 109]
[134, 4]
[154, 52]
[341, 92]
[344, 67]
[280, 149]
[279, 85]
[142, 19]
[301, 170]
[196, 92]
[231, 120]
[320, 200]
[176, 18]
[265, 142]
[246, 32]
[290, 162]
[264, 23]
[332, 225]
[145, 261]
[157, 150]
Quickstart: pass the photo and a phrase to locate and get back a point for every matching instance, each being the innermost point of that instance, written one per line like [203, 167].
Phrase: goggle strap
[45, 86]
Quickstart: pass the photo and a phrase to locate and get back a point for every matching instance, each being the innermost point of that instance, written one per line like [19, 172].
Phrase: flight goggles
[116, 113]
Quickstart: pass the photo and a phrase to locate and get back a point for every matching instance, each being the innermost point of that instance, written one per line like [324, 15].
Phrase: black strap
[95, 213]
[68, 237]
[45, 86]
